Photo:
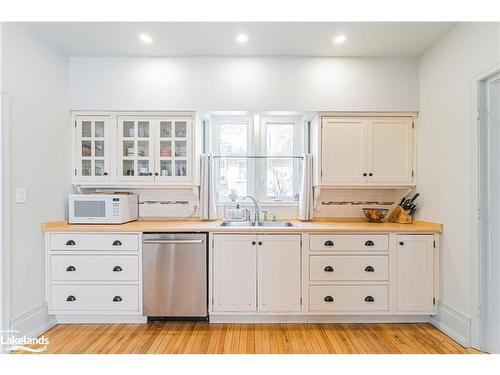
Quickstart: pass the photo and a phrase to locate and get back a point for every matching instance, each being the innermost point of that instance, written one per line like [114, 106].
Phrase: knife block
[400, 216]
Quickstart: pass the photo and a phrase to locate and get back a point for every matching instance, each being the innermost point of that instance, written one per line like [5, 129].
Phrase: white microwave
[102, 208]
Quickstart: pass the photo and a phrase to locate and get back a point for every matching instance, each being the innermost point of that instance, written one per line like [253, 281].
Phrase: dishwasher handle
[173, 242]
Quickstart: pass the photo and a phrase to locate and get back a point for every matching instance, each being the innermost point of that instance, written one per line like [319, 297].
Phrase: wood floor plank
[270, 338]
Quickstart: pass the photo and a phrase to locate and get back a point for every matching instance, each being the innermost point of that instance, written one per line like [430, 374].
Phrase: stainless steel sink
[276, 224]
[271, 224]
[236, 224]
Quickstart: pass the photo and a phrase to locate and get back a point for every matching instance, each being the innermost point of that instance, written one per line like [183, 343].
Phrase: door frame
[4, 217]
[480, 267]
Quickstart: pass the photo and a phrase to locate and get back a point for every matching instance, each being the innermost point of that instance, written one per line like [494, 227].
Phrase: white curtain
[208, 210]
[306, 189]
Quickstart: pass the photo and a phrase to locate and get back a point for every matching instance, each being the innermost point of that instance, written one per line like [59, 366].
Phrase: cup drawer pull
[369, 243]
[328, 299]
[117, 269]
[70, 243]
[328, 269]
[117, 299]
[70, 299]
[70, 269]
[117, 243]
[329, 243]
[369, 299]
[369, 269]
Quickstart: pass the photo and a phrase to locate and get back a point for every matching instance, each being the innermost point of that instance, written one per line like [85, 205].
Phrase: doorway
[489, 310]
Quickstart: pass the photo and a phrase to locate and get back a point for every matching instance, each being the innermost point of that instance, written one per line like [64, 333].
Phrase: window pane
[279, 172]
[86, 127]
[232, 178]
[233, 138]
[279, 178]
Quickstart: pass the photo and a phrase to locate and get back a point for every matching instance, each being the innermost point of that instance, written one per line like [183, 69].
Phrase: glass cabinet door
[173, 149]
[92, 136]
[135, 147]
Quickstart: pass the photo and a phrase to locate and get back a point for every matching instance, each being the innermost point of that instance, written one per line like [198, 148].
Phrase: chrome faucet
[256, 204]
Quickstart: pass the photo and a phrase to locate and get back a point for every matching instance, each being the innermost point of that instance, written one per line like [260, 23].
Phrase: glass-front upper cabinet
[136, 148]
[173, 149]
[92, 160]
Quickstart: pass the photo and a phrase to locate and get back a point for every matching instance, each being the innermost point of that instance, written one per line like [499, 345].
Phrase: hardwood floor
[204, 338]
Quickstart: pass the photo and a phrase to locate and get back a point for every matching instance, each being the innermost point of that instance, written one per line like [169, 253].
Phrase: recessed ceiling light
[339, 39]
[145, 38]
[242, 38]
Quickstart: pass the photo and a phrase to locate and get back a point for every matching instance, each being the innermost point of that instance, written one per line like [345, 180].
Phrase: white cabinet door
[92, 162]
[235, 273]
[415, 274]
[136, 148]
[173, 149]
[343, 155]
[390, 151]
[279, 276]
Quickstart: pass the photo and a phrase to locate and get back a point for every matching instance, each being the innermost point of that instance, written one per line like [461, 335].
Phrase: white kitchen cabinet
[390, 151]
[415, 281]
[92, 149]
[343, 153]
[279, 276]
[134, 149]
[235, 273]
[367, 151]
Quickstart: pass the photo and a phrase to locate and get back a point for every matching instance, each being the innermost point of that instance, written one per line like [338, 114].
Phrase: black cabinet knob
[150, 173]
[329, 243]
[370, 174]
[260, 243]
[401, 243]
[328, 269]
[369, 269]
[117, 243]
[369, 243]
[157, 174]
[328, 299]
[254, 243]
[117, 299]
[117, 269]
[70, 243]
[105, 173]
[369, 299]
[70, 269]
[364, 174]
[70, 299]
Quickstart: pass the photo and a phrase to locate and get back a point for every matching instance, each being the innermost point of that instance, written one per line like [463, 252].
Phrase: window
[268, 179]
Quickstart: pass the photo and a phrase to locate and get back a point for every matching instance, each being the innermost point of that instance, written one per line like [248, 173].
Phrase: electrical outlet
[21, 195]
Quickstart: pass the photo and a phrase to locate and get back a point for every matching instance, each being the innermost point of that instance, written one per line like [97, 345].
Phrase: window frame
[257, 145]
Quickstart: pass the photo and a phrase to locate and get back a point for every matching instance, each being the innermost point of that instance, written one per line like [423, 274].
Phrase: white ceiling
[265, 38]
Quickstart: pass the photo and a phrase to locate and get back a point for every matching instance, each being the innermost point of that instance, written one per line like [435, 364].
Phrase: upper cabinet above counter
[134, 149]
[369, 150]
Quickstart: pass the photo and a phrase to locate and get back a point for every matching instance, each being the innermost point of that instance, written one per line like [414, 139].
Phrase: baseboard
[317, 319]
[96, 319]
[33, 323]
[453, 324]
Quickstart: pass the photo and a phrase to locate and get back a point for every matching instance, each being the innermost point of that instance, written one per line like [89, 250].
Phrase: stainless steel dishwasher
[174, 269]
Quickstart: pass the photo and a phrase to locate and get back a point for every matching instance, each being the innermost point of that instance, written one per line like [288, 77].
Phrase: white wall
[446, 152]
[35, 76]
[243, 83]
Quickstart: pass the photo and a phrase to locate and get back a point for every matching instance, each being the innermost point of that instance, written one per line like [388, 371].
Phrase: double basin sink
[273, 224]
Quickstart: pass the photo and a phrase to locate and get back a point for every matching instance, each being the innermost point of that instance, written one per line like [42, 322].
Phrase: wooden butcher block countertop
[322, 225]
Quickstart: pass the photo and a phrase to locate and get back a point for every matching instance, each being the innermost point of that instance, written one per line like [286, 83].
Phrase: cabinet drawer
[344, 267]
[351, 298]
[94, 268]
[367, 242]
[94, 241]
[94, 298]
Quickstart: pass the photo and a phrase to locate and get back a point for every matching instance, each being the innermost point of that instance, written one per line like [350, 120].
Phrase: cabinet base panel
[319, 318]
[73, 318]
